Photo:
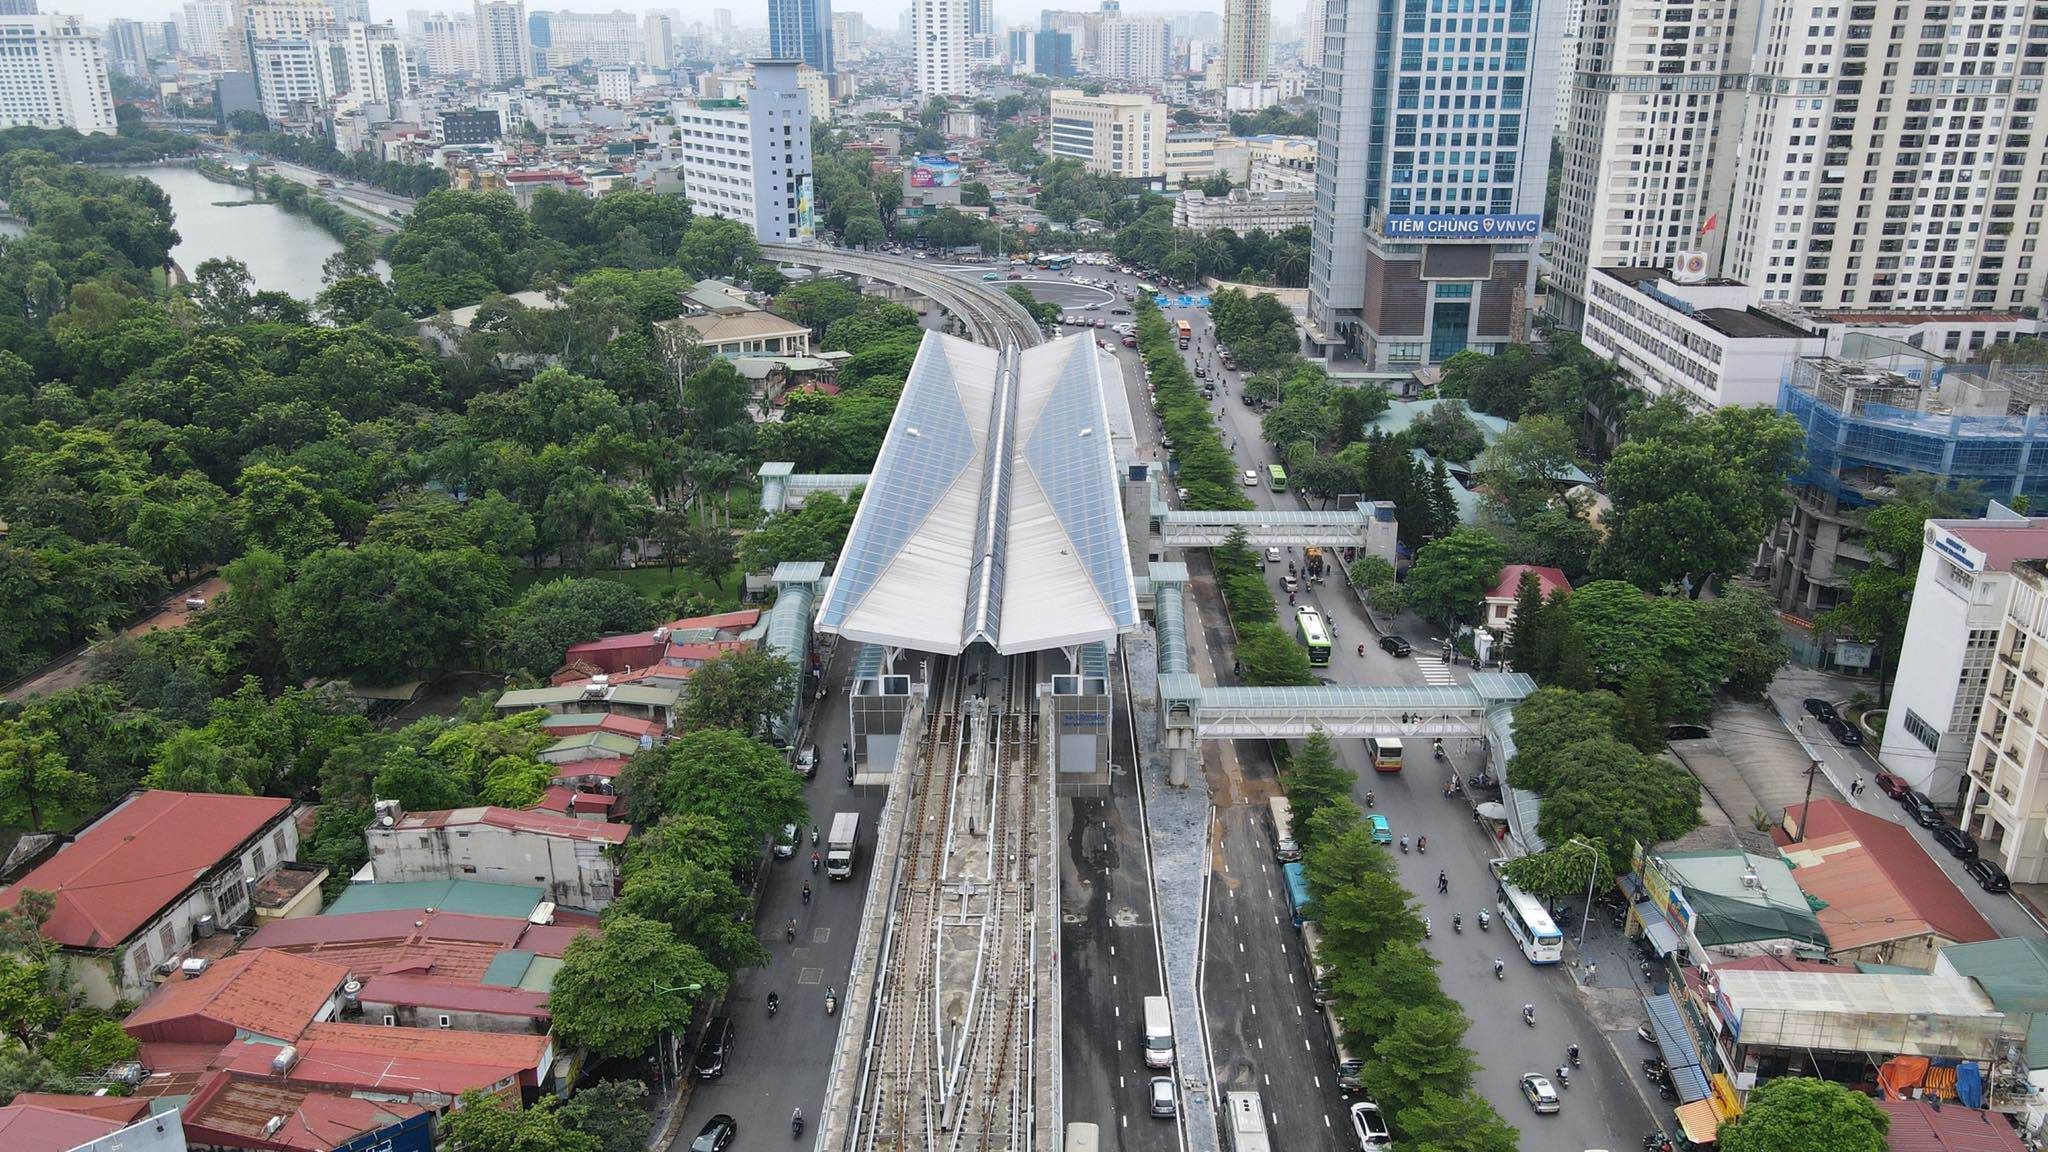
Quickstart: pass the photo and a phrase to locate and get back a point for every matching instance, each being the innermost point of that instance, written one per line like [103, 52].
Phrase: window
[443, 1018]
[390, 1021]
[1923, 731]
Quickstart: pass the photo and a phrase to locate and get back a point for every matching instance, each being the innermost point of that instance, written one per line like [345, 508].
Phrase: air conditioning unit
[194, 965]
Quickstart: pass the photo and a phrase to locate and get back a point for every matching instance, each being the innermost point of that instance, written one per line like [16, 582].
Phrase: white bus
[1082, 1137]
[1318, 973]
[1348, 1066]
[1285, 849]
[1247, 1122]
[1529, 922]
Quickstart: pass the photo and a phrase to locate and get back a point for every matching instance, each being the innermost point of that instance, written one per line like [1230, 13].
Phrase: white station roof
[993, 513]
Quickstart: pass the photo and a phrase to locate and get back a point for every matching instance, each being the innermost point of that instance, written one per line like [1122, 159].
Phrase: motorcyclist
[1422, 843]
[1368, 797]
[789, 929]
[1457, 921]
[796, 1121]
[1484, 919]
[774, 1002]
[1361, 649]
[1571, 1053]
[1529, 1013]
[1404, 843]
[1443, 881]
[1499, 968]
[807, 892]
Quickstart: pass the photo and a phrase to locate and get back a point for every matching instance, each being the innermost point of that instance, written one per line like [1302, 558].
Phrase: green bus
[1313, 634]
[1278, 476]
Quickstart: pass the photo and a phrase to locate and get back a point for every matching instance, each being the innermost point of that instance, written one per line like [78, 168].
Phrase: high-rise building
[1017, 48]
[17, 7]
[1247, 41]
[358, 63]
[127, 47]
[1430, 177]
[802, 30]
[55, 76]
[938, 39]
[661, 40]
[849, 32]
[750, 160]
[981, 30]
[346, 11]
[1312, 24]
[204, 27]
[615, 83]
[1134, 48]
[504, 52]
[1052, 53]
[448, 43]
[276, 38]
[1114, 134]
[598, 38]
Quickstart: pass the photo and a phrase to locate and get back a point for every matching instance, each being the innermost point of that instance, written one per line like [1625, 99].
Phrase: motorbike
[1458, 924]
[1564, 1077]
[1656, 1069]
[1499, 970]
[1480, 780]
[814, 861]
[1368, 798]
[1426, 934]
[807, 893]
[1529, 1015]
[1484, 919]
[796, 1124]
[789, 930]
[814, 835]
[1656, 1142]
[1572, 1054]
[1437, 749]
[1644, 1034]
[774, 1003]
[1404, 845]
[831, 1002]
[1422, 844]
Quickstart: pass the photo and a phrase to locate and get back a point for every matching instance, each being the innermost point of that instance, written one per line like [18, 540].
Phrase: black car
[1923, 811]
[1988, 875]
[1820, 709]
[1396, 645]
[713, 1049]
[718, 1132]
[1960, 844]
[1845, 732]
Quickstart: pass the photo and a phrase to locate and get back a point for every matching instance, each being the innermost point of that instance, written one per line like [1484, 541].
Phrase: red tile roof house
[569, 858]
[237, 1111]
[259, 995]
[133, 886]
[1885, 899]
[1500, 603]
[40, 1128]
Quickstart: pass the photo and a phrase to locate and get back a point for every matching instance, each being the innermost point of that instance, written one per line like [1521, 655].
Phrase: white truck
[843, 846]
[1158, 1033]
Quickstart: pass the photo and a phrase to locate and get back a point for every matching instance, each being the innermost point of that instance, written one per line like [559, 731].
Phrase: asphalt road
[781, 1063]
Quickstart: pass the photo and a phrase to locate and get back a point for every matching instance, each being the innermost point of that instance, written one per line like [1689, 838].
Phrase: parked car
[1396, 645]
[785, 842]
[1923, 811]
[1163, 1103]
[1892, 786]
[1120, 311]
[1538, 1092]
[1988, 875]
[1370, 1126]
[713, 1049]
[1960, 844]
[807, 761]
[1819, 709]
[717, 1133]
[1845, 732]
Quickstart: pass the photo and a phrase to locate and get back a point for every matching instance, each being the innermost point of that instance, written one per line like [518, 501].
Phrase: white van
[1158, 1033]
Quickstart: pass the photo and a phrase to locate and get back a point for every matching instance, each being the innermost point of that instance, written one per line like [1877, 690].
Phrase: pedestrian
[1592, 970]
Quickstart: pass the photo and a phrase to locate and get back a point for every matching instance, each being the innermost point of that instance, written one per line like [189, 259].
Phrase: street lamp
[1592, 873]
[661, 1055]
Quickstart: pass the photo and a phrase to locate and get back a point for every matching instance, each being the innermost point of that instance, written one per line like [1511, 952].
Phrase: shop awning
[1675, 1044]
[1699, 1122]
[1663, 938]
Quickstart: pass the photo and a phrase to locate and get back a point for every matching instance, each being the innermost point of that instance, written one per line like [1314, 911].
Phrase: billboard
[1464, 227]
[806, 210]
[934, 172]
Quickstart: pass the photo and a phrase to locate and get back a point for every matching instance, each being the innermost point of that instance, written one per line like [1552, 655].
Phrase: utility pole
[1812, 770]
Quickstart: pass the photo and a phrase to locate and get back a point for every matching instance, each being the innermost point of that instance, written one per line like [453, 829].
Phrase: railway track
[990, 317]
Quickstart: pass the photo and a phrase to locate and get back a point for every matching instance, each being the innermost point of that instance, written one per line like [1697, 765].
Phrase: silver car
[1538, 1092]
[1163, 1103]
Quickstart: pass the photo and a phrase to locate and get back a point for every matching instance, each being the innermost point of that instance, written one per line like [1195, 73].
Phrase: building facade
[1432, 162]
[1190, 155]
[659, 29]
[1135, 48]
[598, 38]
[1052, 53]
[128, 47]
[504, 52]
[448, 43]
[2005, 798]
[1114, 134]
[361, 64]
[751, 160]
[1247, 41]
[1241, 211]
[1704, 343]
[204, 27]
[1312, 24]
[938, 44]
[563, 855]
[53, 74]
[801, 30]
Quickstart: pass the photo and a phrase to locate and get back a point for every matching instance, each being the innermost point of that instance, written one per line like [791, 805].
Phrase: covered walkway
[1339, 710]
[782, 486]
[1369, 527]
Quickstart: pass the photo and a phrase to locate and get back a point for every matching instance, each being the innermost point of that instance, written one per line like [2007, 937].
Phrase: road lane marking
[1255, 1009]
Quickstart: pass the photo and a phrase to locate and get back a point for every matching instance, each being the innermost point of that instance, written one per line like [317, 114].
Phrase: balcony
[2034, 674]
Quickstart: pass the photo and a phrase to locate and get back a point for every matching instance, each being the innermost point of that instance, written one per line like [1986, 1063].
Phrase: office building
[2005, 788]
[504, 50]
[615, 83]
[938, 41]
[1114, 134]
[801, 30]
[1241, 211]
[982, 34]
[55, 76]
[817, 88]
[1134, 48]
[279, 23]
[1017, 48]
[598, 38]
[360, 64]
[849, 32]
[346, 11]
[1190, 156]
[1312, 23]
[1052, 53]
[448, 43]
[1247, 41]
[127, 47]
[1657, 93]
[470, 127]
[1430, 178]
[750, 160]
[17, 7]
[1703, 341]
[660, 49]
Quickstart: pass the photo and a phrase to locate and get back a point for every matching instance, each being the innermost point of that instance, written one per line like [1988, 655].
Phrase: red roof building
[428, 1081]
[1500, 603]
[33, 1128]
[450, 945]
[132, 886]
[261, 993]
[1885, 900]
[530, 1055]
[238, 1111]
[1918, 1126]
[123, 1109]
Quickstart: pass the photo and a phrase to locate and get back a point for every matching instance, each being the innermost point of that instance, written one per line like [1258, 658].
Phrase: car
[1382, 832]
[1370, 1126]
[1094, 308]
[1845, 732]
[1201, 373]
[1396, 645]
[713, 1049]
[1892, 786]
[1290, 585]
[1923, 811]
[1960, 844]
[807, 761]
[991, 275]
[1988, 875]
[1538, 1092]
[785, 842]
[1163, 1103]
[716, 1134]
[1819, 709]
[1014, 276]
[1272, 555]
[1251, 478]
[1120, 311]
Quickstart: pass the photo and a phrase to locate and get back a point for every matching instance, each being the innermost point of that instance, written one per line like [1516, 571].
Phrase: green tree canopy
[616, 992]
[742, 690]
[739, 780]
[1803, 1114]
[1452, 576]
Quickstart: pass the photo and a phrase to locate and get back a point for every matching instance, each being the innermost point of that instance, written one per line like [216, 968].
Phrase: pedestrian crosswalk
[1435, 672]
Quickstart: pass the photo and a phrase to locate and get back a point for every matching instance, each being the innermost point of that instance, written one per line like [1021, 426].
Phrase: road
[781, 1063]
[73, 670]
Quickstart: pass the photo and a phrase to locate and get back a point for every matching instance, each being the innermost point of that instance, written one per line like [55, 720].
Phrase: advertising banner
[806, 210]
[934, 172]
[1464, 227]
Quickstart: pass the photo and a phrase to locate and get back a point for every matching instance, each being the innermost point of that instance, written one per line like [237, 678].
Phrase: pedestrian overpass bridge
[1369, 527]
[782, 486]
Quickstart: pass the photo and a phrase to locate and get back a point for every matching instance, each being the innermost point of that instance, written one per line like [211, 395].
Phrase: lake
[283, 252]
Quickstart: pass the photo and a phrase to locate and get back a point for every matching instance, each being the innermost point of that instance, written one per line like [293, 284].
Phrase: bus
[1285, 849]
[1297, 891]
[1278, 476]
[1318, 972]
[1247, 1122]
[1385, 753]
[1054, 263]
[1082, 1137]
[1348, 1065]
[1147, 290]
[1186, 331]
[1528, 921]
[1314, 635]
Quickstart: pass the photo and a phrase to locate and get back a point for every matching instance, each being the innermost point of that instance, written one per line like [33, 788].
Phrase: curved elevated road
[991, 316]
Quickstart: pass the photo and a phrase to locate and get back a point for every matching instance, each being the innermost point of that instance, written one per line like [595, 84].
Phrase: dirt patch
[73, 670]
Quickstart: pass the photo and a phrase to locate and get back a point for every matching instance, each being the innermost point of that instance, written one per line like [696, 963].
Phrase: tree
[736, 779]
[1447, 432]
[815, 531]
[1530, 642]
[35, 782]
[1369, 996]
[1423, 1052]
[1358, 901]
[1452, 576]
[742, 690]
[682, 875]
[1443, 1123]
[1315, 780]
[189, 762]
[1802, 1113]
[1271, 658]
[539, 629]
[1548, 721]
[1520, 471]
[1561, 871]
[611, 1112]
[384, 614]
[1617, 797]
[1627, 632]
[617, 992]
[1746, 620]
[481, 1122]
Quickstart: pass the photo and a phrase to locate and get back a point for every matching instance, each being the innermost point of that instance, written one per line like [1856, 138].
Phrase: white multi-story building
[203, 27]
[1247, 41]
[1242, 211]
[128, 47]
[1135, 48]
[447, 43]
[598, 38]
[1114, 134]
[261, 21]
[53, 74]
[1657, 92]
[661, 40]
[818, 93]
[1312, 24]
[615, 83]
[287, 80]
[1959, 601]
[750, 160]
[2005, 789]
[363, 64]
[938, 41]
[1705, 343]
[504, 51]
